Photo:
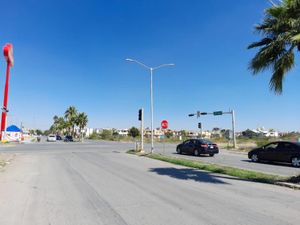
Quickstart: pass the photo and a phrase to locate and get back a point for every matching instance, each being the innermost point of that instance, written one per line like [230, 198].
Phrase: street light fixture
[151, 90]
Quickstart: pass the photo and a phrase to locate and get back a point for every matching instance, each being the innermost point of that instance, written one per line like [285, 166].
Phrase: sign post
[164, 125]
[8, 54]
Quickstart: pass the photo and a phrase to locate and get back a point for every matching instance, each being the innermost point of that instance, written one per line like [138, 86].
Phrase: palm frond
[266, 56]
[281, 34]
[262, 42]
[281, 67]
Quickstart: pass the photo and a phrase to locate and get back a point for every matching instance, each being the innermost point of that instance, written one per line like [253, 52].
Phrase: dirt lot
[6, 158]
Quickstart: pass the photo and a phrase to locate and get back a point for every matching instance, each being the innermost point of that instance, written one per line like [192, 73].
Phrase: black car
[58, 137]
[68, 138]
[280, 151]
[197, 147]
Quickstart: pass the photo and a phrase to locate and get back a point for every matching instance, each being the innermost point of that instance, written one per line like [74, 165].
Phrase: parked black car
[58, 137]
[280, 151]
[68, 138]
[197, 147]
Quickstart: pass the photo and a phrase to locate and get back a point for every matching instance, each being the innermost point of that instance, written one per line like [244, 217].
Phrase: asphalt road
[97, 183]
[228, 158]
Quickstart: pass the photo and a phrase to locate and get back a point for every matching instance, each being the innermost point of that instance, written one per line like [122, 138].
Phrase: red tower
[8, 54]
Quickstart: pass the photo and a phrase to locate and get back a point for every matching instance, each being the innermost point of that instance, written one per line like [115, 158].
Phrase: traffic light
[201, 113]
[199, 125]
[140, 114]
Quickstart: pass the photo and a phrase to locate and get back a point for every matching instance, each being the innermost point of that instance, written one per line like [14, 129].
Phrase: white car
[51, 138]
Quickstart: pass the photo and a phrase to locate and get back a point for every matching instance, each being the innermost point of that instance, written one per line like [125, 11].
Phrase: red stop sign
[164, 124]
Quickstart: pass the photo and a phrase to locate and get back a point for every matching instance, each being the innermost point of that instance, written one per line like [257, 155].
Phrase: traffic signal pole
[219, 113]
[142, 131]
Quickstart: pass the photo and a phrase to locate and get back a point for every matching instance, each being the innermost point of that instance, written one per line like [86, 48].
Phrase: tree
[70, 116]
[106, 134]
[59, 124]
[183, 133]
[38, 132]
[249, 134]
[133, 132]
[169, 134]
[281, 36]
[81, 122]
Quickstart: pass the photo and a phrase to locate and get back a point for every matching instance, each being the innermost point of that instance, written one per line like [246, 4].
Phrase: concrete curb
[289, 185]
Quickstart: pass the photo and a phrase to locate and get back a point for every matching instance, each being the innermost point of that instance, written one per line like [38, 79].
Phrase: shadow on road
[188, 174]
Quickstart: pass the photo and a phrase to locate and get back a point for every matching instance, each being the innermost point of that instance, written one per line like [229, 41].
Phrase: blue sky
[72, 52]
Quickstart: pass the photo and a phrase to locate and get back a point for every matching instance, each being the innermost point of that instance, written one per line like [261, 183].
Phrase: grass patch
[131, 151]
[231, 171]
[294, 179]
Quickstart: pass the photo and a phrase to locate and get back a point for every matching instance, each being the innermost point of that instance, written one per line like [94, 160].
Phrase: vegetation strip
[231, 171]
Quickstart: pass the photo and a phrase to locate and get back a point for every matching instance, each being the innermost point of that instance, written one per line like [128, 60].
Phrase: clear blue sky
[72, 52]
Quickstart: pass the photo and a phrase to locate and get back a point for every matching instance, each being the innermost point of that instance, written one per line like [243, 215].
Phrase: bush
[133, 132]
[262, 141]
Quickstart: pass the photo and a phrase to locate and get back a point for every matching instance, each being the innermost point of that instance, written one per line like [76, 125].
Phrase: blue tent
[13, 128]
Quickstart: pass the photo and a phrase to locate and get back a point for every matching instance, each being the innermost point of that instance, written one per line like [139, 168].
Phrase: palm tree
[81, 122]
[70, 116]
[59, 124]
[54, 127]
[281, 38]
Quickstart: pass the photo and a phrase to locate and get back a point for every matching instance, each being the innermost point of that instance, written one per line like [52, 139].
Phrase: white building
[122, 132]
[266, 133]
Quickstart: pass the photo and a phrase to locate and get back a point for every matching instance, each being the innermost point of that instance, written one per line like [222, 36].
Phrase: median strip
[227, 170]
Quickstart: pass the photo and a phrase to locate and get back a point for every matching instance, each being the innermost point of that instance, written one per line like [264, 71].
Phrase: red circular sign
[164, 124]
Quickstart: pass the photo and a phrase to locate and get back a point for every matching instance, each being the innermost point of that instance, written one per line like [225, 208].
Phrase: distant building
[205, 134]
[266, 133]
[122, 132]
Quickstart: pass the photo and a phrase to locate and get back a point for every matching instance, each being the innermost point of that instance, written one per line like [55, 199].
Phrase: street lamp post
[151, 69]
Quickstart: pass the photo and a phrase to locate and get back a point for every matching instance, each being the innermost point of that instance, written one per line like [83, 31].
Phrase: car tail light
[215, 145]
[204, 146]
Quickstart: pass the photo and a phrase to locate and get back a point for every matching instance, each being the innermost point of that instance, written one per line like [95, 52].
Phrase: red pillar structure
[8, 54]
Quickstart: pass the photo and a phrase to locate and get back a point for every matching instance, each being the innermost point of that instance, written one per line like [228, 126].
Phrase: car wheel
[178, 150]
[196, 152]
[295, 161]
[211, 154]
[254, 158]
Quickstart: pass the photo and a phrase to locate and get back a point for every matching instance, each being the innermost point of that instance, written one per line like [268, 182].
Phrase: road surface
[98, 183]
[228, 158]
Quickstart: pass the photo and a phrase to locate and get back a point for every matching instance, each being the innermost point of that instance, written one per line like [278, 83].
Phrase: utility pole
[151, 69]
[142, 130]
